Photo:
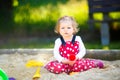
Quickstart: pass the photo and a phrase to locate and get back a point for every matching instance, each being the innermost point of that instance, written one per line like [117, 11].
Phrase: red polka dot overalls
[66, 49]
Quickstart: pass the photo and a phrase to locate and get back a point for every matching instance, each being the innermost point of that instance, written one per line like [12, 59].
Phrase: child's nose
[66, 29]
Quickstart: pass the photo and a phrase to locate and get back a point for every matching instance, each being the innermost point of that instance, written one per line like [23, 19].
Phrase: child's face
[66, 29]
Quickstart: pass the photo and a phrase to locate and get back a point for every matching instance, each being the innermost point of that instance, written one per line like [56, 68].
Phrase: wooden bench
[105, 7]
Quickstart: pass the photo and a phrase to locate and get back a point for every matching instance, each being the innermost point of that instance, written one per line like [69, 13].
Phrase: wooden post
[105, 35]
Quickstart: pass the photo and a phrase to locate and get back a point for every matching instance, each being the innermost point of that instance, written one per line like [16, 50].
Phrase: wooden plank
[103, 2]
[103, 21]
[104, 9]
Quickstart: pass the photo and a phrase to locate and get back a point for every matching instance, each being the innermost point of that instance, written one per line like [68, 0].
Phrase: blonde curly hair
[67, 19]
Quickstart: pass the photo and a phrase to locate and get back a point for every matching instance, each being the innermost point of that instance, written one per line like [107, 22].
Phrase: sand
[14, 66]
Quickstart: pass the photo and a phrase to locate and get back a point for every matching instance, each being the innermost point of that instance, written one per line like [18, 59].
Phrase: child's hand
[71, 63]
[67, 61]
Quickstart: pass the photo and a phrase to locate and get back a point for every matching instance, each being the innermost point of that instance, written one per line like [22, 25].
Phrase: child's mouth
[66, 33]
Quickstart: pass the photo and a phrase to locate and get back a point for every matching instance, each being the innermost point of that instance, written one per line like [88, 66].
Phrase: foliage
[35, 16]
[29, 18]
[42, 15]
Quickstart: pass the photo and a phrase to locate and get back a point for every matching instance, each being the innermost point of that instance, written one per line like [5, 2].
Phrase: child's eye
[62, 27]
[69, 27]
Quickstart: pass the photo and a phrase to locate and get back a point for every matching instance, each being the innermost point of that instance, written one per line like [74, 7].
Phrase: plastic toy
[34, 63]
[3, 75]
[72, 57]
[11, 78]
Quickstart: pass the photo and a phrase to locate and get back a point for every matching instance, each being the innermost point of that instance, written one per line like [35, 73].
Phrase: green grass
[96, 45]
[49, 43]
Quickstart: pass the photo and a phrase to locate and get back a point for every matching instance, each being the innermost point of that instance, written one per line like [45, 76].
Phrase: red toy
[72, 57]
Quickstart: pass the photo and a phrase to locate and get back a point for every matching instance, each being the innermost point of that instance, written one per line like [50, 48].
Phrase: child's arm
[82, 50]
[56, 50]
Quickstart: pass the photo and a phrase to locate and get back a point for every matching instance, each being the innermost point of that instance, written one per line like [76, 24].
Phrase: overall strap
[73, 39]
[63, 42]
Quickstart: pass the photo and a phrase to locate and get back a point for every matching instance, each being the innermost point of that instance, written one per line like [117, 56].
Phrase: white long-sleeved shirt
[82, 50]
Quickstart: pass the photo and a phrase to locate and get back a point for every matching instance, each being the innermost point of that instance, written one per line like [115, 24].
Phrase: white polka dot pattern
[65, 51]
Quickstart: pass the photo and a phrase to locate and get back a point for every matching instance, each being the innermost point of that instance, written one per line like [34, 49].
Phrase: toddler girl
[69, 50]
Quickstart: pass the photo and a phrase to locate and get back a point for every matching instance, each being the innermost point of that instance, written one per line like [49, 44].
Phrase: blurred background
[30, 23]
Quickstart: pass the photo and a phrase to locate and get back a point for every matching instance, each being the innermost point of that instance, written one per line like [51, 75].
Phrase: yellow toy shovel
[34, 63]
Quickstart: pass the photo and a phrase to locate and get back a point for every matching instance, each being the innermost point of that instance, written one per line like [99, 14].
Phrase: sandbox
[13, 61]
